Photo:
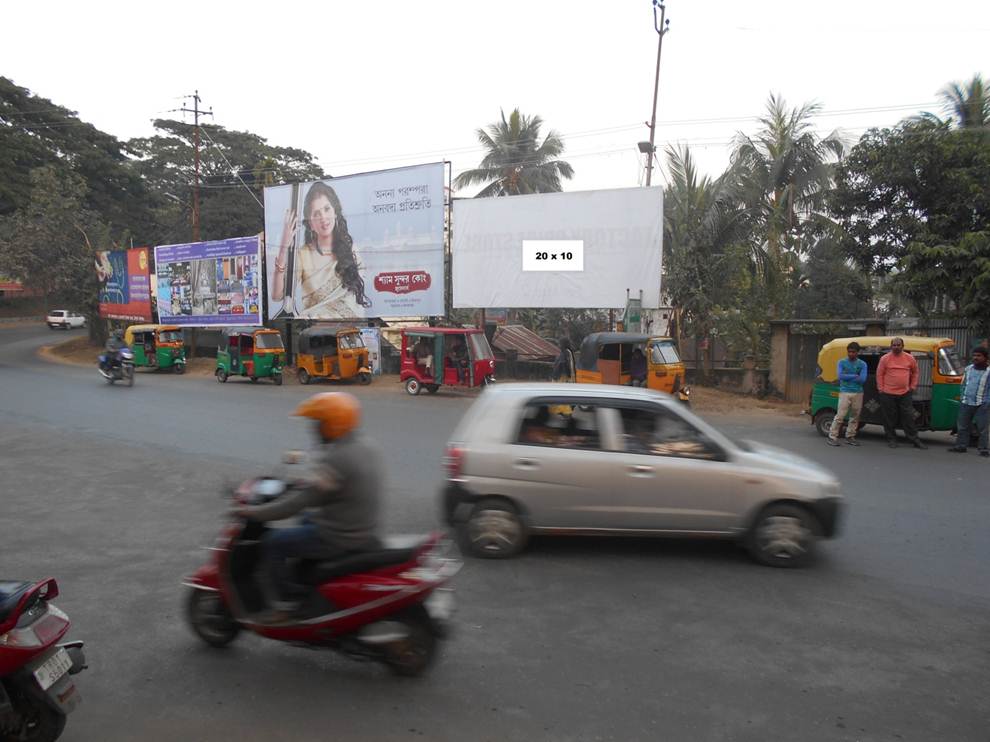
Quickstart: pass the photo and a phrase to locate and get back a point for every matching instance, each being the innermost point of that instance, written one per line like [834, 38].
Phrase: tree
[969, 105]
[50, 243]
[784, 173]
[829, 287]
[517, 161]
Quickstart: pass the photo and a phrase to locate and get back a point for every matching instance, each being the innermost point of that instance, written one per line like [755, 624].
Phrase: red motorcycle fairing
[207, 577]
[23, 645]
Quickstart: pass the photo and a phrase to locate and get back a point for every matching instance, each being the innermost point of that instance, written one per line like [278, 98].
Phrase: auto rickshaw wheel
[412, 386]
[277, 378]
[221, 375]
[364, 378]
[254, 379]
[303, 376]
[823, 421]
[179, 368]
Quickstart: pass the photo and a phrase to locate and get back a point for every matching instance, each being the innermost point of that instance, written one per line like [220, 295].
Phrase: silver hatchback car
[590, 459]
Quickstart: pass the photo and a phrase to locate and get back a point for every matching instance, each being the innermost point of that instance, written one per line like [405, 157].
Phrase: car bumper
[455, 502]
[828, 511]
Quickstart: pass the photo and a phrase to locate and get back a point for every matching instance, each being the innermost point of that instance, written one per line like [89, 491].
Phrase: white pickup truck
[65, 319]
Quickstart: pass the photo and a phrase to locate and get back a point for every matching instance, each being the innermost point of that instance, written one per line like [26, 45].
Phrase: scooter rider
[341, 497]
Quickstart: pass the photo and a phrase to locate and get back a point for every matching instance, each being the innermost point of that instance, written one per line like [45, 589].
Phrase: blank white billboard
[578, 250]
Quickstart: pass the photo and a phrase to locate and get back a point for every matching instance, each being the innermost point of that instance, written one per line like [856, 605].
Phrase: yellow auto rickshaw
[632, 359]
[331, 353]
[157, 346]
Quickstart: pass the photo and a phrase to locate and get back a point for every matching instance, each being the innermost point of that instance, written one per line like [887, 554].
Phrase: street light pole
[662, 25]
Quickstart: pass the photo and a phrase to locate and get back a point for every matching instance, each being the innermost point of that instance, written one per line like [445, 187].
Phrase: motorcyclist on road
[340, 497]
[115, 343]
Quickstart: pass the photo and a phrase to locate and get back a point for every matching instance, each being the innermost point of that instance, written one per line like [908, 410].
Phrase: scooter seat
[11, 593]
[315, 573]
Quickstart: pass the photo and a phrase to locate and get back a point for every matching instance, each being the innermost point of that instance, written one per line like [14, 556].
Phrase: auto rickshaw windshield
[350, 341]
[480, 349]
[170, 336]
[949, 363]
[268, 340]
[664, 352]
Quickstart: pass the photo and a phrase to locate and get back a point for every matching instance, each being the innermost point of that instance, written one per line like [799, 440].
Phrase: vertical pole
[661, 28]
[195, 224]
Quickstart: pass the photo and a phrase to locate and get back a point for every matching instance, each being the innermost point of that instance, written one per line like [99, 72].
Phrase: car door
[556, 465]
[670, 476]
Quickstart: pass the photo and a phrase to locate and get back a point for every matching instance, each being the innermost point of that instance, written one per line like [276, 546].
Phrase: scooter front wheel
[412, 655]
[210, 619]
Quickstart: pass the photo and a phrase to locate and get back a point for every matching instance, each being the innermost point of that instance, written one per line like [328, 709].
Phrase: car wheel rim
[494, 531]
[784, 537]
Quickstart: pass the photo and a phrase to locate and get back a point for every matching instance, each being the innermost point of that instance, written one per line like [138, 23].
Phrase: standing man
[974, 404]
[852, 376]
[897, 378]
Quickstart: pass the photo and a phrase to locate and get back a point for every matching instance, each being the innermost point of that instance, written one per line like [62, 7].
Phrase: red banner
[125, 284]
[403, 282]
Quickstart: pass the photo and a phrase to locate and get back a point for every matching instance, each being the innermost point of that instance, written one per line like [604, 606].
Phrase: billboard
[578, 250]
[125, 284]
[206, 284]
[368, 245]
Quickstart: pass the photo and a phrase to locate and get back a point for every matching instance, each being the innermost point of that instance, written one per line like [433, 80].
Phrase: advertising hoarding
[358, 246]
[125, 284]
[209, 284]
[558, 250]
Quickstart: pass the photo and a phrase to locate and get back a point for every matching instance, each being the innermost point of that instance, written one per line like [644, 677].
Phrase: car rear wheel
[784, 535]
[494, 530]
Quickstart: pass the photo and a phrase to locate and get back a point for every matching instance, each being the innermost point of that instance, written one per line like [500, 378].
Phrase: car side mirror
[293, 457]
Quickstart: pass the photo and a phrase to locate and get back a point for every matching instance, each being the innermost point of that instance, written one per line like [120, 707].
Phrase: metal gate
[802, 364]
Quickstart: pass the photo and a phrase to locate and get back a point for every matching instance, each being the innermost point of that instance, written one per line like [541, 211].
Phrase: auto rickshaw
[445, 356]
[254, 352]
[936, 400]
[608, 358]
[157, 346]
[330, 353]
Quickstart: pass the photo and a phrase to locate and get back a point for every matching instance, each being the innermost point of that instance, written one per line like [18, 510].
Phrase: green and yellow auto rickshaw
[936, 400]
[157, 346]
[254, 352]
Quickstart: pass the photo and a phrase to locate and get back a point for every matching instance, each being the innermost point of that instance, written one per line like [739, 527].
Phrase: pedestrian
[974, 404]
[852, 376]
[897, 378]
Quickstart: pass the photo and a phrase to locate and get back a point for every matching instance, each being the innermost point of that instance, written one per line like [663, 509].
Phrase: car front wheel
[784, 535]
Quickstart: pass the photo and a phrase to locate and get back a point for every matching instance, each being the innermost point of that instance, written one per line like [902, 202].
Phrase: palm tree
[784, 174]
[517, 161]
[969, 105]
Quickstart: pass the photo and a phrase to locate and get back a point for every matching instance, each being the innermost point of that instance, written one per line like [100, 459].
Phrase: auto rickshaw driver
[340, 498]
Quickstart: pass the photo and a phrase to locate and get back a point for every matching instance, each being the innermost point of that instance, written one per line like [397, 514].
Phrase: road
[114, 490]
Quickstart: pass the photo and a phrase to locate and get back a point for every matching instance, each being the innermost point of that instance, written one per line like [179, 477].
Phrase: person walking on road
[897, 378]
[974, 404]
[852, 376]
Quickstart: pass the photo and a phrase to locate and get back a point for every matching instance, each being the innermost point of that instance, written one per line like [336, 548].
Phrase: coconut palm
[517, 161]
[969, 106]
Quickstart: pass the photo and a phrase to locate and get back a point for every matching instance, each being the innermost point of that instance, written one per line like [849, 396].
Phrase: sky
[370, 85]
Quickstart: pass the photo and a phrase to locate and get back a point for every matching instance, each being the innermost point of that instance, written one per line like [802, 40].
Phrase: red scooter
[387, 605]
[36, 686]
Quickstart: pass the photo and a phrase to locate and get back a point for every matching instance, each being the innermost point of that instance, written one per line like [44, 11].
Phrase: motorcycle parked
[121, 369]
[36, 686]
[387, 605]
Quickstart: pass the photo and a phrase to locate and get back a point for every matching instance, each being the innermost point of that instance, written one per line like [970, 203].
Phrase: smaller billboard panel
[210, 284]
[125, 284]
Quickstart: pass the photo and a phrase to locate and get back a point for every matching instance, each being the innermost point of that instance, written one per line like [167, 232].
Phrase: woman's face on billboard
[322, 217]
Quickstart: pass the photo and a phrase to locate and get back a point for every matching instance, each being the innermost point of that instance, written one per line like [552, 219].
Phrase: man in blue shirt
[852, 376]
[974, 404]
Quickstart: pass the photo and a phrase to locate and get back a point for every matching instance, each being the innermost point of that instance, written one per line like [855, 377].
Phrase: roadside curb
[46, 353]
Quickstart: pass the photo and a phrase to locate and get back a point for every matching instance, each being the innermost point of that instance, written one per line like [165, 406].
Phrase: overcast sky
[368, 85]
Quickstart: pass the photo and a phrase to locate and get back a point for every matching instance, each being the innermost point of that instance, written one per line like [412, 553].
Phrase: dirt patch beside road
[705, 399]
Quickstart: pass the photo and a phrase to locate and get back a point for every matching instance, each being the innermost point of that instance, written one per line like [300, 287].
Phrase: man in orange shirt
[897, 378]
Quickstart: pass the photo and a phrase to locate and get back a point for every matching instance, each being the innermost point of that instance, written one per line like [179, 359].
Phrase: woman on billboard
[326, 281]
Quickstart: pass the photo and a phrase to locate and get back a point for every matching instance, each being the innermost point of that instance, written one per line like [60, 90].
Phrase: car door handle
[641, 471]
[526, 464]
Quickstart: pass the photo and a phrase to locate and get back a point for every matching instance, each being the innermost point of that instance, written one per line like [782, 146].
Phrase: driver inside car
[339, 500]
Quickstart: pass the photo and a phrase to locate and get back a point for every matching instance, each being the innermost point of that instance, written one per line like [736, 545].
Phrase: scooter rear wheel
[210, 619]
[40, 722]
[411, 656]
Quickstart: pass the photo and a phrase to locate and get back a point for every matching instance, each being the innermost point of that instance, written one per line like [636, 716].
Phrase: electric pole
[196, 114]
[662, 25]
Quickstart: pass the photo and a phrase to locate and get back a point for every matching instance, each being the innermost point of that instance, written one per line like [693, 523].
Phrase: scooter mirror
[293, 457]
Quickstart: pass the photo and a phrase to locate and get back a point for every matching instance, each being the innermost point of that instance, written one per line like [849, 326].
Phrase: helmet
[338, 413]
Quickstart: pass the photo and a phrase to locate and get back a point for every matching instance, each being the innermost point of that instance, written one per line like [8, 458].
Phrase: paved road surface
[113, 491]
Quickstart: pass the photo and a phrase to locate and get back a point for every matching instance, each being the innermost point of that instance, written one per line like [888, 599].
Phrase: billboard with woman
[368, 245]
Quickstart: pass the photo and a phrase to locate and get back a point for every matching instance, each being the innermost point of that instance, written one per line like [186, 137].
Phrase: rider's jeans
[282, 544]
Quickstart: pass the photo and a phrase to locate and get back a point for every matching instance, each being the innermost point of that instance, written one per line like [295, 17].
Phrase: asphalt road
[113, 491]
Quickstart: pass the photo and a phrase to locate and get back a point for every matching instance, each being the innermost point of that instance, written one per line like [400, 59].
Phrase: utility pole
[196, 112]
[662, 25]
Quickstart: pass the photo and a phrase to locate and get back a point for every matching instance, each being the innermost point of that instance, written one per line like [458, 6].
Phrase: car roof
[555, 389]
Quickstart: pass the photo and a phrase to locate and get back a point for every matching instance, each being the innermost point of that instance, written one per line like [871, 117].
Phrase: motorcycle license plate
[49, 672]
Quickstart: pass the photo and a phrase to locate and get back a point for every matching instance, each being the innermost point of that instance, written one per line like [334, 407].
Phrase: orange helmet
[337, 412]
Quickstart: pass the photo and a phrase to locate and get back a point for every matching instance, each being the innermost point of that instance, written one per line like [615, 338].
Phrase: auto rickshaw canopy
[834, 350]
[309, 339]
[588, 357]
[133, 330]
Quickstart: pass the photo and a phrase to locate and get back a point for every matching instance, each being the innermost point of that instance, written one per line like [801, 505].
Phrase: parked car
[65, 319]
[597, 460]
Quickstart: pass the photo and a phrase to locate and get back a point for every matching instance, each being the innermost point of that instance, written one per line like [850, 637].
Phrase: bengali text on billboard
[125, 284]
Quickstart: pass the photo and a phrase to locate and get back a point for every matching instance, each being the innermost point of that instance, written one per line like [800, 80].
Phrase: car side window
[559, 425]
[659, 432]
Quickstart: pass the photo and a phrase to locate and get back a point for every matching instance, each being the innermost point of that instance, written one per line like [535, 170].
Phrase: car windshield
[949, 363]
[269, 340]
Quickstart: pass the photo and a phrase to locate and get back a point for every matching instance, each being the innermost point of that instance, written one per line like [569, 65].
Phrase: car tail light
[453, 461]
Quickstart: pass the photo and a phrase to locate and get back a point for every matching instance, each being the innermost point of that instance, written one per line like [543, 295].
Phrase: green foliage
[516, 161]
[829, 287]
